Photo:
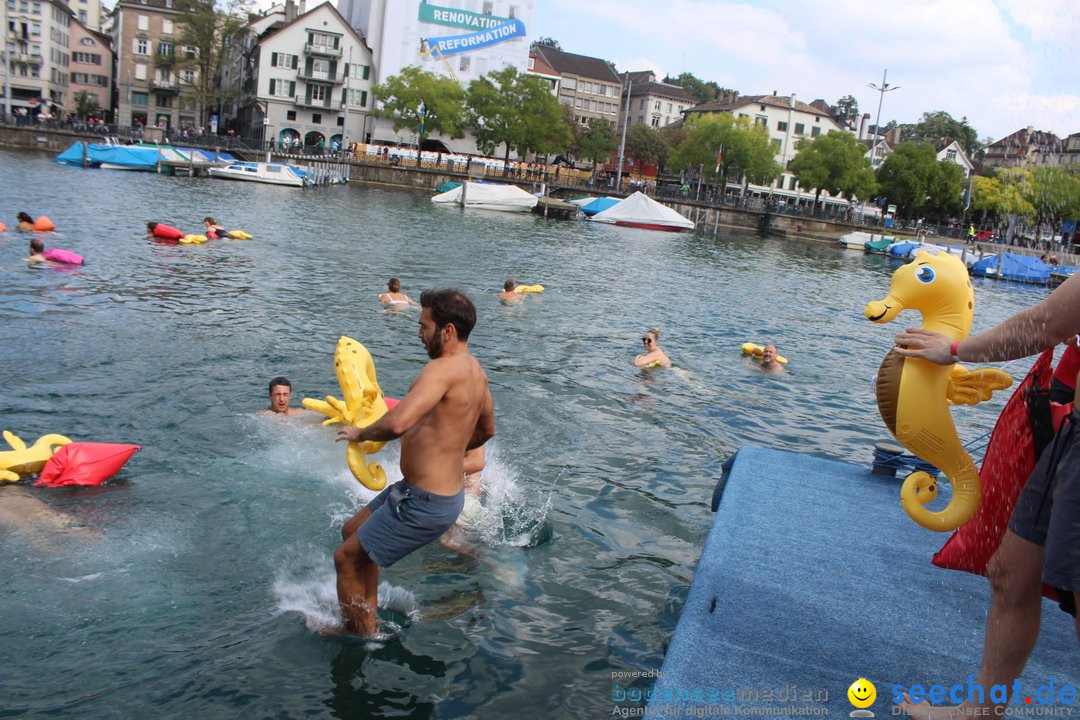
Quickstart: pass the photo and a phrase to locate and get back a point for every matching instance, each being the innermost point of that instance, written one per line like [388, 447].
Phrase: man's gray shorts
[403, 519]
[1048, 511]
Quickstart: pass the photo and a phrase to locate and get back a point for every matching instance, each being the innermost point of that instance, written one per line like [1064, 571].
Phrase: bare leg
[1012, 627]
[357, 586]
[353, 524]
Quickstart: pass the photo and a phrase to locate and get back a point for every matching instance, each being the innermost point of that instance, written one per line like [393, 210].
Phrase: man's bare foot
[926, 711]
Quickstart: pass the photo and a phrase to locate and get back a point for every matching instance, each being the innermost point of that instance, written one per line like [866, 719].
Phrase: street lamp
[884, 88]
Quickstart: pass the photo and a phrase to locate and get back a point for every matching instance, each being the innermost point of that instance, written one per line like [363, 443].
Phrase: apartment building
[589, 85]
[90, 13]
[1026, 148]
[38, 38]
[91, 67]
[653, 103]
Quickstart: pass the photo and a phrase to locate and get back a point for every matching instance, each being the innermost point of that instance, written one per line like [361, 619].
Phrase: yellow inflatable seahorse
[914, 395]
[22, 460]
[363, 404]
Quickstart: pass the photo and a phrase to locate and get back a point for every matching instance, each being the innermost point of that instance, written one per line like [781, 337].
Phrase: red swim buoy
[44, 224]
[63, 256]
[165, 232]
[84, 463]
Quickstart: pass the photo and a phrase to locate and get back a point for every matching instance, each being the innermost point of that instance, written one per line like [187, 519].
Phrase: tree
[597, 140]
[940, 124]
[913, 179]
[86, 105]
[201, 52]
[508, 108]
[748, 151]
[847, 108]
[1053, 193]
[547, 42]
[836, 163]
[999, 197]
[646, 144]
[946, 189]
[422, 102]
[703, 91]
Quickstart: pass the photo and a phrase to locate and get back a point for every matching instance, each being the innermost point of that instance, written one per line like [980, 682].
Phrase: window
[341, 121]
[282, 88]
[815, 131]
[87, 58]
[143, 22]
[188, 76]
[776, 144]
[761, 121]
[86, 41]
[464, 64]
[951, 156]
[166, 26]
[165, 48]
[792, 183]
[142, 46]
[669, 108]
[82, 16]
[316, 118]
[656, 105]
[318, 94]
[781, 126]
[799, 128]
[488, 7]
[140, 71]
[35, 29]
[140, 98]
[569, 83]
[320, 69]
[512, 13]
[283, 60]
[164, 101]
[290, 115]
[656, 121]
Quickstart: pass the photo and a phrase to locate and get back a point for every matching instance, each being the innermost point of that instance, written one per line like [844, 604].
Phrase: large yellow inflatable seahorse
[914, 395]
[22, 460]
[363, 404]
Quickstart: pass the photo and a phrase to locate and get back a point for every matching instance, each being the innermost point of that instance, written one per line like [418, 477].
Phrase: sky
[1002, 64]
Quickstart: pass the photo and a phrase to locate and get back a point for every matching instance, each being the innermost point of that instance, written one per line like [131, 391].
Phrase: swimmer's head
[509, 285]
[768, 355]
[280, 394]
[36, 246]
[25, 218]
[651, 337]
[209, 220]
[394, 285]
[150, 226]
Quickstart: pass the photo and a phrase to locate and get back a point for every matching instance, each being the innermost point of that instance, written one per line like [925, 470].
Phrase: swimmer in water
[653, 355]
[394, 298]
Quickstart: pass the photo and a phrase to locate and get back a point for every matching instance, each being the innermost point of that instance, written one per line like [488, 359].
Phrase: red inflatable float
[84, 463]
[44, 224]
[165, 232]
[62, 256]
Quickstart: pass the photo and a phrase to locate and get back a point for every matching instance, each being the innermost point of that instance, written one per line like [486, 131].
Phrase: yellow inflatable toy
[363, 404]
[193, 239]
[758, 351]
[22, 460]
[239, 235]
[914, 395]
[529, 288]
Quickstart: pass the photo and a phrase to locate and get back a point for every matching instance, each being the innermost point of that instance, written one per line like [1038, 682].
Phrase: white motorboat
[271, 173]
[488, 196]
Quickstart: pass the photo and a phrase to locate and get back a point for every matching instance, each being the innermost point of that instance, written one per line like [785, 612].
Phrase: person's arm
[1025, 333]
[474, 461]
[485, 424]
[430, 387]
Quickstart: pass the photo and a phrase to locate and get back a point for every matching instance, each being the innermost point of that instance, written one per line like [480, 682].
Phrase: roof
[1026, 137]
[344, 23]
[565, 63]
[540, 66]
[782, 101]
[643, 83]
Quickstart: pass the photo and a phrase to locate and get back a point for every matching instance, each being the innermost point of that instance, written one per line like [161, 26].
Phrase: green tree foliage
[518, 111]
[422, 102]
[995, 198]
[547, 42]
[847, 108]
[86, 105]
[913, 179]
[702, 90]
[748, 151]
[597, 141]
[646, 144]
[836, 163]
[1054, 194]
[940, 124]
[200, 51]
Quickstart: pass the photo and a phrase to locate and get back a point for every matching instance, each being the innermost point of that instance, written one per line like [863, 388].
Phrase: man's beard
[434, 346]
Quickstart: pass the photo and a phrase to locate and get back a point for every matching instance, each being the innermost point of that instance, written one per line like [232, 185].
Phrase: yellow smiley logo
[862, 693]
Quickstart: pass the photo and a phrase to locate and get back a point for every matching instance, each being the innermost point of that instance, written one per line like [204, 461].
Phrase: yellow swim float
[239, 235]
[529, 288]
[363, 404]
[23, 460]
[193, 239]
[914, 395]
[758, 351]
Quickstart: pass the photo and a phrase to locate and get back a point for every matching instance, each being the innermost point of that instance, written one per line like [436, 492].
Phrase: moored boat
[641, 211]
[262, 172]
[488, 196]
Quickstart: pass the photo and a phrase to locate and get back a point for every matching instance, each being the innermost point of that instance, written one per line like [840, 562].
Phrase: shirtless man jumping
[447, 411]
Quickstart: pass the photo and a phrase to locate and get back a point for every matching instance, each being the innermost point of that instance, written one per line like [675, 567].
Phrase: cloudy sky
[1002, 64]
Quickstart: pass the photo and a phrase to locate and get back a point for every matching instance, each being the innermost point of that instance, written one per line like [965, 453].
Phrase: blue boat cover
[97, 153]
[812, 577]
[902, 249]
[1010, 266]
[600, 205]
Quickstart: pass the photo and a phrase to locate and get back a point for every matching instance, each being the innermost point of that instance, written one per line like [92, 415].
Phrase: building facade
[653, 103]
[91, 68]
[539, 68]
[788, 121]
[588, 85]
[1025, 148]
[949, 150]
[90, 13]
[38, 39]
[148, 95]
[308, 82]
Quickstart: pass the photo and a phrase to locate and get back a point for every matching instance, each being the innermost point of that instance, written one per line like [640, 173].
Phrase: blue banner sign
[455, 44]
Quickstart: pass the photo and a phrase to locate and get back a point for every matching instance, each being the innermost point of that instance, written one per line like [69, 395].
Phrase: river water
[188, 586]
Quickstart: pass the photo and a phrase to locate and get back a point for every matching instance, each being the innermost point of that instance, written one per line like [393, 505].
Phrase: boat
[639, 210]
[262, 172]
[146, 157]
[1011, 266]
[599, 205]
[855, 240]
[488, 196]
[1061, 273]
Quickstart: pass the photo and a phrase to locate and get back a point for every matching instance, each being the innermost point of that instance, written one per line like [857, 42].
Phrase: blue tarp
[97, 153]
[600, 205]
[1010, 266]
[902, 249]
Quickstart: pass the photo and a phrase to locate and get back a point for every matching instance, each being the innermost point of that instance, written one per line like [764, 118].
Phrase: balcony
[322, 50]
[164, 86]
[316, 104]
[321, 77]
[26, 58]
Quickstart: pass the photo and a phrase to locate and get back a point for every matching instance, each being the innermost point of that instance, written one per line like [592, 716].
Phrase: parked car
[984, 236]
